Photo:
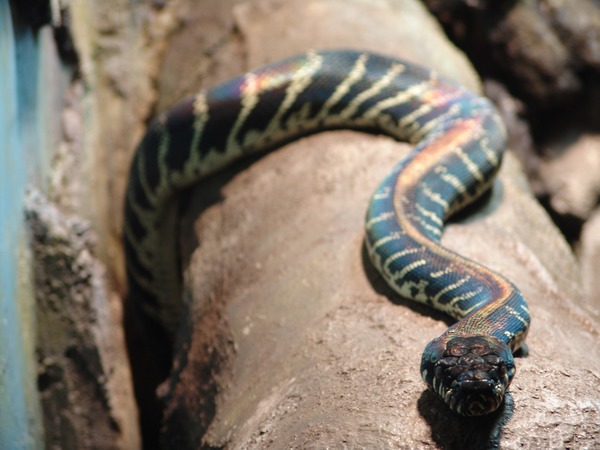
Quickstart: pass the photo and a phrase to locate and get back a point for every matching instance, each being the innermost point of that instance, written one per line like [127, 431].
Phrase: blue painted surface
[19, 406]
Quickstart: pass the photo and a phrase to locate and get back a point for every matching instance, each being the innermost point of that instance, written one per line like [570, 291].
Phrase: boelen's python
[459, 140]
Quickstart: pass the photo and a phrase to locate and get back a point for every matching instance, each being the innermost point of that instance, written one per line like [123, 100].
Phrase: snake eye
[472, 373]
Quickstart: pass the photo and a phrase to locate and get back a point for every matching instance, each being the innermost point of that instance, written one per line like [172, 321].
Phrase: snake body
[458, 142]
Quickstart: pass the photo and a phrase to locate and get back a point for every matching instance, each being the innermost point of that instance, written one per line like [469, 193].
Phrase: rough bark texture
[84, 380]
[118, 43]
[292, 339]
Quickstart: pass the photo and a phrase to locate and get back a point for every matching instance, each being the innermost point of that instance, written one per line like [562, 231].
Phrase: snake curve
[458, 142]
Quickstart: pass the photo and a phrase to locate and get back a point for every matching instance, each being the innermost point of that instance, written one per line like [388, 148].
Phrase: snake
[458, 141]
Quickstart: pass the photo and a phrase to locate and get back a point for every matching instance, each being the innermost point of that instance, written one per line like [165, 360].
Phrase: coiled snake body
[459, 140]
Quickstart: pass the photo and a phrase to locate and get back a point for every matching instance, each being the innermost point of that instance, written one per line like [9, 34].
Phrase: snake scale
[458, 142]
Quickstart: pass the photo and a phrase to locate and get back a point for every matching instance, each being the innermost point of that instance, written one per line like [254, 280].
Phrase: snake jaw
[470, 373]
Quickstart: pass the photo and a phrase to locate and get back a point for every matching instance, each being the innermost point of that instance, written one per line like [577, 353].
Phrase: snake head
[470, 373]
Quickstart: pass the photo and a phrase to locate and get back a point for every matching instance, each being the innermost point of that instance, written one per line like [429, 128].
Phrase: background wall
[22, 160]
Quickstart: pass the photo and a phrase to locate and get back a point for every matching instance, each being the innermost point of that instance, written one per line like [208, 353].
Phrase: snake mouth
[473, 397]
[472, 374]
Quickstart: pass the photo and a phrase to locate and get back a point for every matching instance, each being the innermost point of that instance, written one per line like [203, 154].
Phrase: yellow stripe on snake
[458, 143]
